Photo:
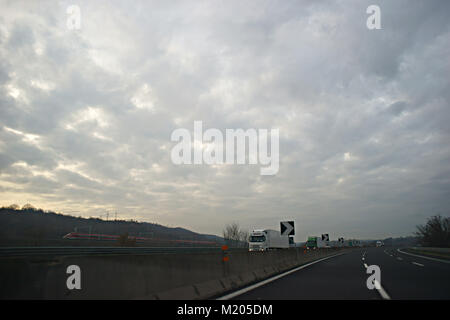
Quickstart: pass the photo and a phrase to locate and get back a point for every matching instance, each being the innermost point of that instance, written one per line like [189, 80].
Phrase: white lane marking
[416, 255]
[418, 264]
[363, 258]
[380, 289]
[398, 258]
[259, 284]
[365, 265]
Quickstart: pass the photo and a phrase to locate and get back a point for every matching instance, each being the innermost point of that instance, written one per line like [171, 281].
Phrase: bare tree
[243, 236]
[234, 236]
[435, 233]
[28, 206]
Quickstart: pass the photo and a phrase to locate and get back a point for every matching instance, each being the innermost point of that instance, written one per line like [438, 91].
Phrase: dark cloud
[86, 115]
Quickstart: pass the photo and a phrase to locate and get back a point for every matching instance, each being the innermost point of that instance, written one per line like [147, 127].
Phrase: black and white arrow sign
[325, 237]
[287, 228]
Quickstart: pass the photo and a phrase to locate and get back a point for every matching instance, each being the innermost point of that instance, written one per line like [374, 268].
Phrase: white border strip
[259, 284]
[416, 255]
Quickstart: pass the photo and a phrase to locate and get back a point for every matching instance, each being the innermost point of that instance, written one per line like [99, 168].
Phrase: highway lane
[408, 277]
[344, 277]
[341, 277]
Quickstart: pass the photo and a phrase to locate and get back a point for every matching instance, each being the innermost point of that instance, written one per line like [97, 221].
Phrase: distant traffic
[267, 239]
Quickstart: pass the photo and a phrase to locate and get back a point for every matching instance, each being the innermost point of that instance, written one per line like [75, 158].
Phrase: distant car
[379, 243]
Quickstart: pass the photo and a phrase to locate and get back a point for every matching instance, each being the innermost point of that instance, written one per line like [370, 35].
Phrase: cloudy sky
[86, 115]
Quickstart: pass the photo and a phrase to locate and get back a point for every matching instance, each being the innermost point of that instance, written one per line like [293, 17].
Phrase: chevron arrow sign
[287, 228]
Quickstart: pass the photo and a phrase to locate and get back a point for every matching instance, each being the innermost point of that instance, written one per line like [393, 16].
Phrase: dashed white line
[398, 258]
[418, 264]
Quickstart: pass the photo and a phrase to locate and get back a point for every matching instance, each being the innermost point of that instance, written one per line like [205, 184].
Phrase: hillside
[401, 241]
[36, 227]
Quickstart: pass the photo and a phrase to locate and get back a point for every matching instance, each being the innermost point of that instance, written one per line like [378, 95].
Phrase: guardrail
[142, 273]
[65, 251]
[432, 249]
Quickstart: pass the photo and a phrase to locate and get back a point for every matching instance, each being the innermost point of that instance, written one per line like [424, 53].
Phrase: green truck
[315, 242]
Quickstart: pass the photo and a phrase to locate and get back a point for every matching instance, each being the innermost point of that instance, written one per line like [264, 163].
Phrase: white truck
[263, 240]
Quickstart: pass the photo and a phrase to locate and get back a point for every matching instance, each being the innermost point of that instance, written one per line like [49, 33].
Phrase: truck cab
[257, 241]
[311, 243]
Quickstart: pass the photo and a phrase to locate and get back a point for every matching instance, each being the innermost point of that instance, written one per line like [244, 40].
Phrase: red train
[107, 237]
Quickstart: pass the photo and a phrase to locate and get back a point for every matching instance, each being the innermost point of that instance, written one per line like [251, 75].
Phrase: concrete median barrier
[146, 276]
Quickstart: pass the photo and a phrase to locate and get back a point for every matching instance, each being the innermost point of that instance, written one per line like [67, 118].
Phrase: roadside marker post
[225, 259]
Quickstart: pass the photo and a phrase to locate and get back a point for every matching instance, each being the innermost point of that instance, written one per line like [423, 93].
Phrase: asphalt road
[344, 277]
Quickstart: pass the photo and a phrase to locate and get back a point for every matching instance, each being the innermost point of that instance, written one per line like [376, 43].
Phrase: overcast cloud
[86, 115]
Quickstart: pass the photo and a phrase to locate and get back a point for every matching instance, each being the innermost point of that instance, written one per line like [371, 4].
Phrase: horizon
[112, 219]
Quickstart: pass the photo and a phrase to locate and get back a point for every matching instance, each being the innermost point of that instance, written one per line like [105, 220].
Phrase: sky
[86, 115]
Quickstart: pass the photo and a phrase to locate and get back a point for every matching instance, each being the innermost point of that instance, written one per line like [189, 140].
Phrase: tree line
[435, 232]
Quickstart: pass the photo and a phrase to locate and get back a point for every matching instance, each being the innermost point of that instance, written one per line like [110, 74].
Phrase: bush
[435, 233]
